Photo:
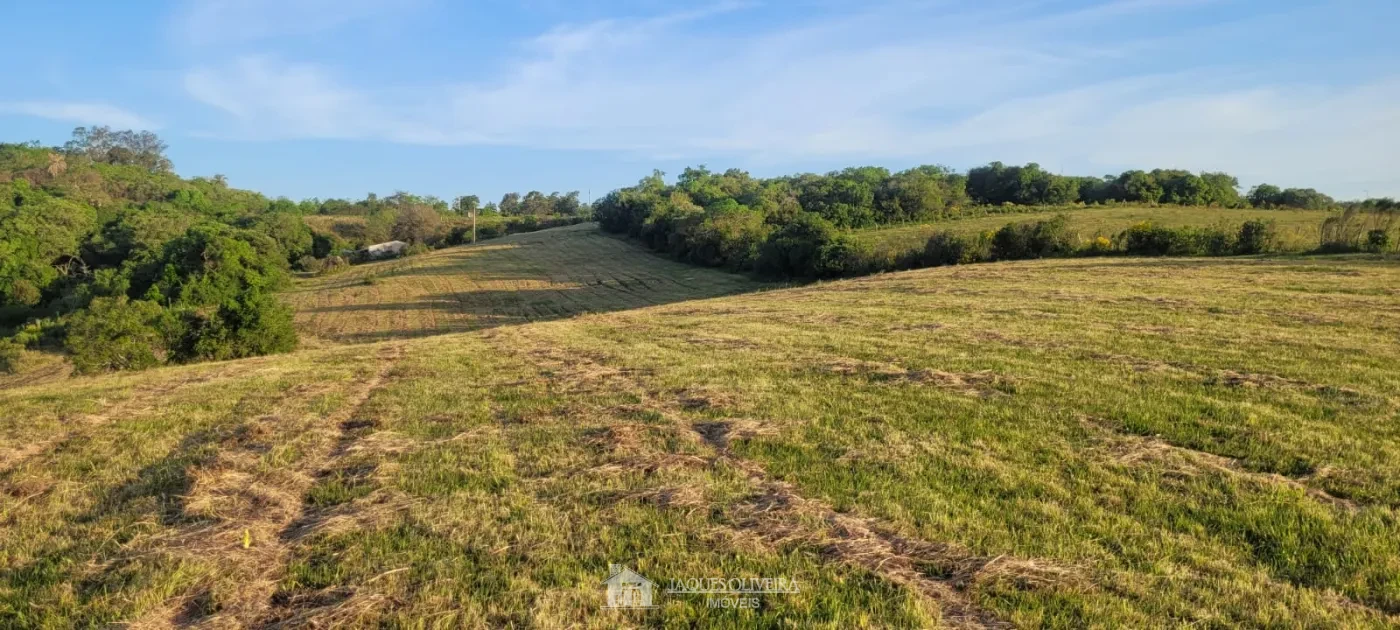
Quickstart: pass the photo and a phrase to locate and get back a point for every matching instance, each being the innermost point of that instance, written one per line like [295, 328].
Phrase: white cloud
[296, 99]
[79, 113]
[921, 84]
[208, 22]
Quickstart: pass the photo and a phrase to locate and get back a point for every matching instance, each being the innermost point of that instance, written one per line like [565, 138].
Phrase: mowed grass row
[1297, 229]
[1062, 443]
[516, 279]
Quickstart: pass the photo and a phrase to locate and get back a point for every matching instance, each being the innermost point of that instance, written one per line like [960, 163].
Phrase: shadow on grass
[588, 272]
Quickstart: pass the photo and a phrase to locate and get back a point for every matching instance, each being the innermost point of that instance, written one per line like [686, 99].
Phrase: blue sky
[337, 98]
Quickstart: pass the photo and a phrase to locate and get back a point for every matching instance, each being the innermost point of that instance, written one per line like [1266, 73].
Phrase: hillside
[512, 280]
[1116, 442]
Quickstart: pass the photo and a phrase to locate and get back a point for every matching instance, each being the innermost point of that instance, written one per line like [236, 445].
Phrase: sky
[339, 98]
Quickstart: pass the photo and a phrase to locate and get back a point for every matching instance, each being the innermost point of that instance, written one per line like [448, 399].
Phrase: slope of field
[1064, 443]
[1298, 229]
[520, 278]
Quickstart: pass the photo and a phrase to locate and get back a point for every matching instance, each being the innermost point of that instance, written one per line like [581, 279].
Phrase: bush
[808, 247]
[323, 245]
[333, 264]
[945, 248]
[494, 230]
[1377, 240]
[1100, 246]
[414, 250]
[1256, 237]
[117, 334]
[12, 357]
[848, 257]
[1038, 239]
[254, 325]
[310, 264]
[1145, 239]
[460, 235]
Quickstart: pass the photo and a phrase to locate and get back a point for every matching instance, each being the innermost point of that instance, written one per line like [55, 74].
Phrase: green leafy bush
[1145, 239]
[1378, 240]
[1033, 239]
[946, 248]
[252, 325]
[808, 247]
[117, 334]
[1257, 237]
[12, 357]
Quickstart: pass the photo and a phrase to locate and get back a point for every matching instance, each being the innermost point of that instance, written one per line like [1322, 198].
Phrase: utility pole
[473, 226]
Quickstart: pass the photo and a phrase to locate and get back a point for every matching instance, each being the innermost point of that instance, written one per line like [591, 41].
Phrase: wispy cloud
[297, 99]
[890, 82]
[208, 22]
[79, 113]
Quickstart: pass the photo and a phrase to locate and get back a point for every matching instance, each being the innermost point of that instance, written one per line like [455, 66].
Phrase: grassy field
[511, 280]
[1298, 229]
[1060, 443]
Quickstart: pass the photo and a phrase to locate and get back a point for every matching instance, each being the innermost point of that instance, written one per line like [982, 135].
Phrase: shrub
[1377, 240]
[414, 250]
[1256, 237]
[254, 325]
[494, 230]
[333, 264]
[417, 224]
[805, 248]
[945, 248]
[1100, 246]
[1038, 239]
[1145, 239]
[12, 357]
[460, 235]
[117, 334]
[323, 245]
[848, 257]
[310, 263]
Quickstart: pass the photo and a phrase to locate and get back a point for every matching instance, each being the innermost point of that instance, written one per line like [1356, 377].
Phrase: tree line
[794, 226]
[533, 203]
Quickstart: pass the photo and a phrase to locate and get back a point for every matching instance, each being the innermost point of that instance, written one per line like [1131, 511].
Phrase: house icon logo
[627, 588]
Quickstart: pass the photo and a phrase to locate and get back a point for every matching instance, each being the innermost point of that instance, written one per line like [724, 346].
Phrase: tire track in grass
[251, 512]
[777, 515]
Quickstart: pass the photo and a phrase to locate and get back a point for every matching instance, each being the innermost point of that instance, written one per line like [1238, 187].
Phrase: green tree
[467, 205]
[1265, 196]
[510, 204]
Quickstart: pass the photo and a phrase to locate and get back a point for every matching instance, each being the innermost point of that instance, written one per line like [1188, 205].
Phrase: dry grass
[512, 280]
